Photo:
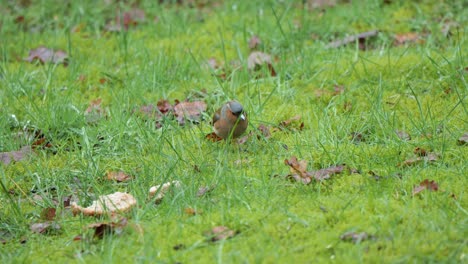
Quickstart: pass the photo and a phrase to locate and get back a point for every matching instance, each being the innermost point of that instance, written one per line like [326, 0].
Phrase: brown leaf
[126, 20]
[287, 123]
[7, 157]
[213, 63]
[298, 170]
[360, 38]
[463, 140]
[213, 137]
[258, 59]
[426, 185]
[164, 106]
[254, 42]
[48, 214]
[220, 233]
[204, 190]
[94, 112]
[326, 173]
[264, 130]
[106, 228]
[161, 190]
[430, 157]
[355, 237]
[118, 176]
[190, 211]
[43, 55]
[45, 228]
[244, 139]
[107, 204]
[420, 152]
[403, 135]
[410, 37]
[316, 4]
[191, 111]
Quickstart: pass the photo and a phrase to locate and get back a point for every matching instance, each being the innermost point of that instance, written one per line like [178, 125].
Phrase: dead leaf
[48, 214]
[254, 42]
[107, 204]
[44, 55]
[463, 140]
[426, 185]
[287, 124]
[410, 37]
[326, 173]
[191, 111]
[298, 170]
[7, 157]
[360, 38]
[204, 190]
[220, 233]
[45, 228]
[403, 135]
[190, 211]
[106, 228]
[264, 131]
[161, 190]
[118, 176]
[94, 112]
[213, 63]
[213, 137]
[316, 4]
[420, 152]
[164, 106]
[355, 237]
[126, 20]
[258, 59]
[430, 157]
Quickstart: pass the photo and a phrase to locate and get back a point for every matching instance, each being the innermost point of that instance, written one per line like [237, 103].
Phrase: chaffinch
[230, 120]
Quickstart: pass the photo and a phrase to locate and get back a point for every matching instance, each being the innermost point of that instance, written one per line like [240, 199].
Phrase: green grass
[389, 88]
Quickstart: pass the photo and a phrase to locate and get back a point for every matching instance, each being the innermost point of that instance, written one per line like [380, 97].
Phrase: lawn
[355, 150]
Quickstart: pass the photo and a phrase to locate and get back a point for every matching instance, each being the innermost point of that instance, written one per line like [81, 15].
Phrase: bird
[230, 121]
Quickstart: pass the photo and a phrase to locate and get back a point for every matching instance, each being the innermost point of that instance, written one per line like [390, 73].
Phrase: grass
[419, 88]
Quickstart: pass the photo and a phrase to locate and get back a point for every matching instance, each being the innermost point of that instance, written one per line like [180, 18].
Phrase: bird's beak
[242, 117]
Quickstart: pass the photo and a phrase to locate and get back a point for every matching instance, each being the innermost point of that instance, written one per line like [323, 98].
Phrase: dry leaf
[430, 157]
[161, 190]
[254, 42]
[7, 157]
[213, 137]
[43, 55]
[354, 237]
[126, 20]
[94, 112]
[360, 38]
[264, 131]
[191, 111]
[106, 228]
[220, 233]
[48, 214]
[426, 185]
[258, 59]
[403, 135]
[410, 37]
[463, 140]
[45, 228]
[204, 190]
[298, 170]
[106, 204]
[118, 176]
[190, 211]
[326, 173]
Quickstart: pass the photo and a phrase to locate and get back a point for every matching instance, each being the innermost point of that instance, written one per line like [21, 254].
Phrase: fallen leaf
[420, 152]
[44, 55]
[254, 42]
[45, 228]
[48, 214]
[258, 59]
[360, 38]
[106, 228]
[426, 185]
[161, 190]
[430, 157]
[403, 135]
[315, 4]
[190, 211]
[94, 112]
[220, 233]
[298, 170]
[326, 173]
[410, 37]
[164, 106]
[107, 204]
[118, 176]
[18, 155]
[126, 20]
[463, 140]
[354, 237]
[264, 131]
[191, 111]
[213, 137]
[213, 64]
[204, 190]
[287, 124]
